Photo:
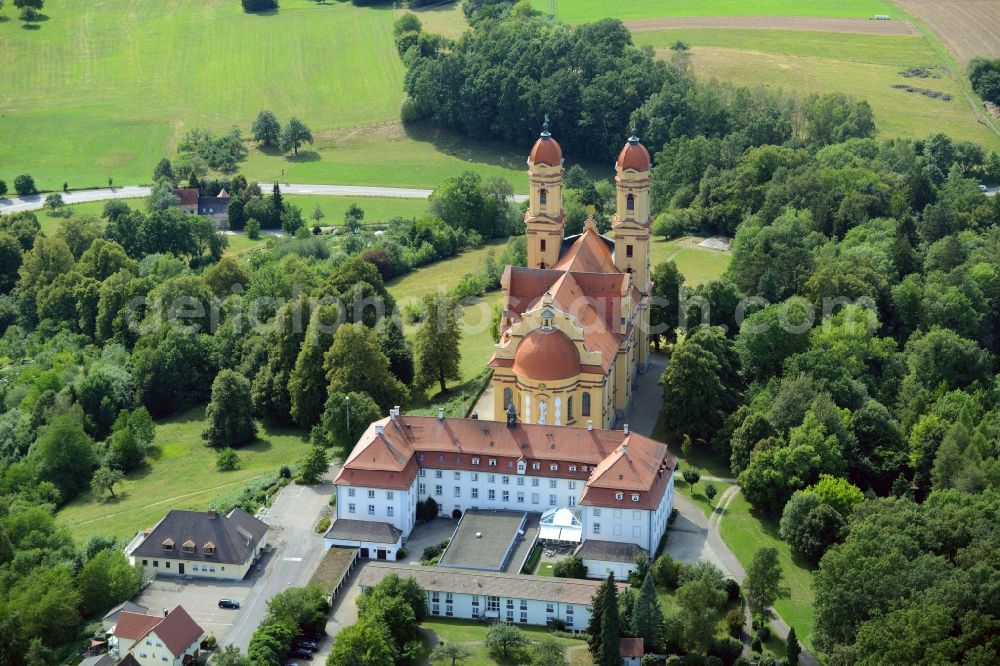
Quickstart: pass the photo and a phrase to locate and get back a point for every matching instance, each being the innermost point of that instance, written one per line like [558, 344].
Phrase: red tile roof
[133, 626]
[631, 647]
[546, 151]
[633, 156]
[453, 443]
[178, 631]
[547, 356]
[187, 195]
[589, 253]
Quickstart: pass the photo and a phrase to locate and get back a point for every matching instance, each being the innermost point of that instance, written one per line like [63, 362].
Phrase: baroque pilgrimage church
[575, 321]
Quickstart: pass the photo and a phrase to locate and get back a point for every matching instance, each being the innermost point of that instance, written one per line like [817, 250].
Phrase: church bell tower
[544, 218]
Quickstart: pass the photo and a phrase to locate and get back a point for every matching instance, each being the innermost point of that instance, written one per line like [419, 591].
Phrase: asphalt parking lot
[200, 599]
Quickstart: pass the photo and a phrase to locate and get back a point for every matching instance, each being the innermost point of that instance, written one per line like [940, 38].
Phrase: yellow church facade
[575, 321]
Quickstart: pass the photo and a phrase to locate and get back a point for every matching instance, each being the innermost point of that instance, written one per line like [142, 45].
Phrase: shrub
[323, 525]
[252, 229]
[727, 650]
[732, 589]
[430, 552]
[402, 553]
[570, 567]
[285, 472]
[228, 460]
[259, 5]
[734, 622]
[763, 632]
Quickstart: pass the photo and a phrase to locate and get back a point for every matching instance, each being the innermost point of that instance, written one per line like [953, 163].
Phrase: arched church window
[508, 397]
[547, 318]
[543, 196]
[630, 202]
[569, 408]
[586, 404]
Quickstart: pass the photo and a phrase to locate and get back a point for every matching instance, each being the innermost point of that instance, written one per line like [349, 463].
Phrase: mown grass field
[107, 88]
[744, 532]
[471, 634]
[864, 66]
[181, 474]
[697, 264]
[583, 11]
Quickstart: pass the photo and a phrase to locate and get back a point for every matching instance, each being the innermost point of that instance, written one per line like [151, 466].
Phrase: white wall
[536, 612]
[463, 490]
[373, 548]
[598, 569]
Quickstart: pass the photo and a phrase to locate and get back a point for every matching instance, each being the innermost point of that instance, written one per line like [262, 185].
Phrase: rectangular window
[437, 474]
[390, 495]
[542, 245]
[520, 498]
[458, 491]
[475, 493]
[628, 250]
[572, 485]
[475, 600]
[371, 509]
[569, 610]
[421, 488]
[475, 461]
[350, 492]
[492, 478]
[550, 607]
[524, 616]
[438, 490]
[389, 510]
[553, 500]
[493, 604]
[458, 475]
[506, 496]
[492, 494]
[572, 500]
[597, 512]
[534, 483]
[635, 498]
[510, 616]
[520, 480]
[597, 528]
[475, 476]
[449, 610]
[156, 564]
[536, 465]
[145, 562]
[505, 480]
[534, 498]
[371, 494]
[552, 483]
[435, 609]
[423, 472]
[435, 596]
[510, 603]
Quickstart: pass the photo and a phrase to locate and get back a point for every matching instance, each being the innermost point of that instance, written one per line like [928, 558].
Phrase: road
[36, 201]
[298, 550]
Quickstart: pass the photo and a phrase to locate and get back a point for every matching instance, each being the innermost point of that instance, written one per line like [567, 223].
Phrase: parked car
[983, 188]
[228, 603]
[302, 653]
[307, 645]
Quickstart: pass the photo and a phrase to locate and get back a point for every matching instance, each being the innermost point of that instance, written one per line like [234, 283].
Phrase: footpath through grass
[744, 532]
[585, 11]
[180, 474]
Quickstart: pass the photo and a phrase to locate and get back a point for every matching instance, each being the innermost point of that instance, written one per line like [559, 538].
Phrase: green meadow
[104, 89]
[864, 66]
[181, 474]
[583, 11]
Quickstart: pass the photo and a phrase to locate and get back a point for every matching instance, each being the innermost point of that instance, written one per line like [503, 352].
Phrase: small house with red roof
[151, 640]
[631, 650]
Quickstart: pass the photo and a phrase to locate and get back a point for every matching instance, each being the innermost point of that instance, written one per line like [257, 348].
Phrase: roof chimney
[379, 430]
[165, 612]
[212, 514]
[626, 428]
[440, 413]
[590, 424]
[395, 411]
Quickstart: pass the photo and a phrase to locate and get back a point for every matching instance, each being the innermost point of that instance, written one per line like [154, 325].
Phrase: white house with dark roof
[619, 483]
[200, 544]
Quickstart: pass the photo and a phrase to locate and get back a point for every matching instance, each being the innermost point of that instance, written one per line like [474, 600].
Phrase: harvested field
[813, 23]
[967, 27]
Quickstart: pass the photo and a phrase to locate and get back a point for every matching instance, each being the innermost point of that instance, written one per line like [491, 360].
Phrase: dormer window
[168, 544]
[572, 468]
[492, 462]
[619, 496]
[553, 468]
[475, 461]
[188, 546]
[209, 548]
[536, 465]
[521, 466]
[635, 498]
[547, 317]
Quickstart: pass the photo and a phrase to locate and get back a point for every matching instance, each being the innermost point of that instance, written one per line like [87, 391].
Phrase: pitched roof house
[150, 640]
[202, 544]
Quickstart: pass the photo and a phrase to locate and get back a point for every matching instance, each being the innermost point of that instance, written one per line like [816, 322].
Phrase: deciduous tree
[438, 342]
[230, 412]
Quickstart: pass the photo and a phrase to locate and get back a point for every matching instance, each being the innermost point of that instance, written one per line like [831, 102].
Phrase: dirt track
[968, 27]
[859, 26]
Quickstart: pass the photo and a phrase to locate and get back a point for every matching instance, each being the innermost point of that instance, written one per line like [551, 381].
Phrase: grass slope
[697, 264]
[582, 11]
[744, 532]
[471, 634]
[181, 474]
